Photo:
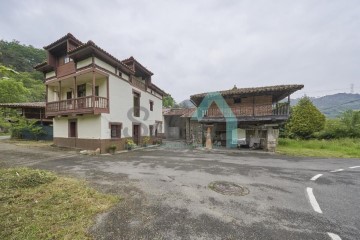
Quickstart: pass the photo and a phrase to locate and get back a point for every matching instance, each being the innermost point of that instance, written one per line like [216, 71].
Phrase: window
[151, 130]
[69, 97]
[115, 130]
[151, 105]
[120, 74]
[96, 91]
[237, 100]
[64, 59]
[136, 104]
[81, 90]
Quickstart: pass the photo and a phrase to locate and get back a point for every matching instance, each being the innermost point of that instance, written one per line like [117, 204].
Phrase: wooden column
[59, 95]
[93, 90]
[288, 108]
[74, 93]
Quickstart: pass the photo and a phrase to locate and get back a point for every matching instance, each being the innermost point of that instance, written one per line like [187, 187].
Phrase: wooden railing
[79, 105]
[138, 83]
[244, 111]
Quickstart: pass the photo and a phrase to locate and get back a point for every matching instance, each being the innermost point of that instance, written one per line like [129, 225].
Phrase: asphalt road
[166, 192]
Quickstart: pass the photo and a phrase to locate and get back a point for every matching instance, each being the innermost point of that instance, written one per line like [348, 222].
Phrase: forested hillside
[333, 105]
[24, 84]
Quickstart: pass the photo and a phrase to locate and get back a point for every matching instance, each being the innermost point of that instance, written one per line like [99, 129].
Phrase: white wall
[121, 103]
[104, 65]
[84, 63]
[89, 126]
[50, 74]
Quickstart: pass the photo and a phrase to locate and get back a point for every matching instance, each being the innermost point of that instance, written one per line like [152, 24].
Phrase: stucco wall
[88, 126]
[121, 103]
[84, 63]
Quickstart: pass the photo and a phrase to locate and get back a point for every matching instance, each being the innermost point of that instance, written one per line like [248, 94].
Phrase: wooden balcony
[65, 69]
[138, 83]
[258, 111]
[82, 105]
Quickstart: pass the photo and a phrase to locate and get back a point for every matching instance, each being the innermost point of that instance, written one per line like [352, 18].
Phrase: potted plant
[146, 141]
[112, 148]
[129, 144]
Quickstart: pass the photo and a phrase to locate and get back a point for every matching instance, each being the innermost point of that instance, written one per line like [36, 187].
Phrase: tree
[305, 120]
[12, 91]
[20, 57]
[351, 121]
[168, 101]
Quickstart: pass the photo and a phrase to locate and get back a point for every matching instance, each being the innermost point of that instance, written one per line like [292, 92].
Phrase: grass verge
[336, 148]
[36, 204]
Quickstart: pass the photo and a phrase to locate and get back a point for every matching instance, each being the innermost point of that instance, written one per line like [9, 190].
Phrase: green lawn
[338, 148]
[36, 204]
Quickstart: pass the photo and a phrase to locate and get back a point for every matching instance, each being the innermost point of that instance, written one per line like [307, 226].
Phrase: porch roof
[24, 105]
[278, 92]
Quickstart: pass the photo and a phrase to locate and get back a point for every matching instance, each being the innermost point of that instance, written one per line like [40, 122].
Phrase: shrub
[305, 120]
[129, 144]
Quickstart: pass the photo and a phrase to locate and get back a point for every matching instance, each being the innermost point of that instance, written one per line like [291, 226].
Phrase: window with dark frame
[115, 130]
[96, 93]
[69, 97]
[136, 104]
[151, 130]
[151, 105]
[237, 100]
[81, 90]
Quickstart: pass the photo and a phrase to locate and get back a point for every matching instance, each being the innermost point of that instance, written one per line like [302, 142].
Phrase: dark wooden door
[73, 128]
[136, 134]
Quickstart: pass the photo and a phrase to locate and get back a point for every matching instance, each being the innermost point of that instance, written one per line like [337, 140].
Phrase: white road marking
[355, 167]
[334, 236]
[313, 201]
[315, 177]
[337, 170]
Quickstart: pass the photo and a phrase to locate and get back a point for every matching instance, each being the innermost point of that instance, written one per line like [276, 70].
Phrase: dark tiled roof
[178, 111]
[69, 35]
[92, 44]
[134, 60]
[255, 90]
[27, 104]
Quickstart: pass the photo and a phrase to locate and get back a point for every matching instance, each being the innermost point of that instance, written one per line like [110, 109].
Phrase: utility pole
[352, 88]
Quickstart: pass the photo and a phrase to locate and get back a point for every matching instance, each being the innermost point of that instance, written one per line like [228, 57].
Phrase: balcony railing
[258, 110]
[80, 105]
[138, 83]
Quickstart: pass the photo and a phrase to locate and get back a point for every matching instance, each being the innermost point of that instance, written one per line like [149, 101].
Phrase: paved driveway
[166, 193]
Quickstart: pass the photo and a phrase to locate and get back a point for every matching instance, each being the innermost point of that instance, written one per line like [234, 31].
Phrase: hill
[20, 57]
[26, 84]
[333, 105]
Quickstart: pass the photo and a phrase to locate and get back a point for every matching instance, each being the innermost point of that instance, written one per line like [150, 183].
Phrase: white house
[97, 100]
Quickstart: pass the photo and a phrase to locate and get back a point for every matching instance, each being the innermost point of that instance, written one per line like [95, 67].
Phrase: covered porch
[86, 92]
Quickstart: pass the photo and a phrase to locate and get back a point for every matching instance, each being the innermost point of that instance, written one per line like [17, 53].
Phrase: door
[136, 133]
[73, 128]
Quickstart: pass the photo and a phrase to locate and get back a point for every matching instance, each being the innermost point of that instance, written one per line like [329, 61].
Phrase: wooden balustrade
[78, 105]
[244, 111]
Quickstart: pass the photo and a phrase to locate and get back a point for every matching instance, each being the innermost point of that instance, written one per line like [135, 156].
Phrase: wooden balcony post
[93, 90]
[74, 93]
[288, 106]
[59, 95]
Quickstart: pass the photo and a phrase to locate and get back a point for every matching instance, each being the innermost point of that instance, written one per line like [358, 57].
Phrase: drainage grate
[228, 188]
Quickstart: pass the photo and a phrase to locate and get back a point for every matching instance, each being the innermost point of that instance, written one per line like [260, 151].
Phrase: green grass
[36, 204]
[337, 148]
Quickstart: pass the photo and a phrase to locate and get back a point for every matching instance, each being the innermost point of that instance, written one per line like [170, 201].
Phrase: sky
[208, 45]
